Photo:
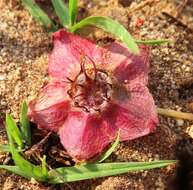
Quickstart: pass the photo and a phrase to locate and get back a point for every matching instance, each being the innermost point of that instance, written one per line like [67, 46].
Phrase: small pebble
[180, 122]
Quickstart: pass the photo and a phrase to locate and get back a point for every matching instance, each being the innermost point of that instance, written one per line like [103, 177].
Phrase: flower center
[91, 90]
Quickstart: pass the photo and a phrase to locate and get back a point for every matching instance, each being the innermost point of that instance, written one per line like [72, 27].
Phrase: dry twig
[176, 114]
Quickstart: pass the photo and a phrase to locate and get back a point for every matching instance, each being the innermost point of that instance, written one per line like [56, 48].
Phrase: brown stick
[176, 114]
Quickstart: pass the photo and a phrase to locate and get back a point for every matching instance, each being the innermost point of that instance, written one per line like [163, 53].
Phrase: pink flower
[94, 92]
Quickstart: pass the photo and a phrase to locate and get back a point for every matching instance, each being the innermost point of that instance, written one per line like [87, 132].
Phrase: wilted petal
[133, 113]
[127, 67]
[50, 109]
[84, 135]
[68, 51]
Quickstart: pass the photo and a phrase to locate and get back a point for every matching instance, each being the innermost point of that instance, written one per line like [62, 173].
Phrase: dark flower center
[91, 90]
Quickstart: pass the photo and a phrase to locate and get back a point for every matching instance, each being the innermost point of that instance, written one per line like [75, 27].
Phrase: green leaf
[44, 168]
[30, 170]
[111, 149]
[24, 123]
[13, 130]
[62, 12]
[39, 14]
[111, 26]
[73, 9]
[4, 148]
[26, 169]
[152, 42]
[89, 171]
[14, 169]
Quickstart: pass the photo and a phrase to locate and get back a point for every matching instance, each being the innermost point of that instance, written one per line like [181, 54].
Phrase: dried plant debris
[47, 144]
[182, 12]
[189, 131]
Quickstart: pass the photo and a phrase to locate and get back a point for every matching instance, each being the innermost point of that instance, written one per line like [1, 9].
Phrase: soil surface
[24, 50]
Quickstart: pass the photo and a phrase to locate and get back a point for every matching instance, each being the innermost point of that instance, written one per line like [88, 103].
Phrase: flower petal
[85, 135]
[134, 114]
[65, 59]
[127, 67]
[50, 109]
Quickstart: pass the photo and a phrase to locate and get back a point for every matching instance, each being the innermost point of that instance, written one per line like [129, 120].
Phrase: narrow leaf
[30, 170]
[4, 148]
[152, 42]
[62, 12]
[111, 26]
[73, 9]
[15, 170]
[111, 149]
[89, 171]
[39, 14]
[24, 123]
[44, 168]
[13, 130]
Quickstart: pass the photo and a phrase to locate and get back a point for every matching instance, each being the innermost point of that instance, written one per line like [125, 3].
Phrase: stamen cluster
[91, 93]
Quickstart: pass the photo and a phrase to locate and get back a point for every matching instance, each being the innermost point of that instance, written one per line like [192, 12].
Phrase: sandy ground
[24, 49]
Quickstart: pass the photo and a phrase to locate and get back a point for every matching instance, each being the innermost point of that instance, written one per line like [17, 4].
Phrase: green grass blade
[30, 170]
[44, 168]
[39, 14]
[152, 42]
[24, 123]
[15, 170]
[62, 12]
[13, 130]
[111, 26]
[4, 148]
[111, 149]
[89, 171]
[73, 9]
